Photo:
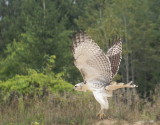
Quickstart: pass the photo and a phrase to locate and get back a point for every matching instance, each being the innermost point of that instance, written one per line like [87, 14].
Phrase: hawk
[97, 68]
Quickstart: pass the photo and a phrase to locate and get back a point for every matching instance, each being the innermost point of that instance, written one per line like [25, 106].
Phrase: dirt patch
[112, 122]
[122, 122]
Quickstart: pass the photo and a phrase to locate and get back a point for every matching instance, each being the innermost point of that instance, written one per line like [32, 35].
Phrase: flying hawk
[97, 68]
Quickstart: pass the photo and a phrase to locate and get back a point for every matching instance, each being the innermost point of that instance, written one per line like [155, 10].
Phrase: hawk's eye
[75, 86]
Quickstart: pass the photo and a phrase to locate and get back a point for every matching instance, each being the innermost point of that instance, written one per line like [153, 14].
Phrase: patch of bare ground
[123, 122]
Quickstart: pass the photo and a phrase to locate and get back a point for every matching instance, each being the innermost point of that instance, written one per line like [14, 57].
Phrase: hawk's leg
[101, 97]
[101, 114]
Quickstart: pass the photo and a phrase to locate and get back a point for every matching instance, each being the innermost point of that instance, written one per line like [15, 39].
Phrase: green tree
[44, 34]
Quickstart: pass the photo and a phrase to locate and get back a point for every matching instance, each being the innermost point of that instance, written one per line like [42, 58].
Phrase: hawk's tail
[114, 85]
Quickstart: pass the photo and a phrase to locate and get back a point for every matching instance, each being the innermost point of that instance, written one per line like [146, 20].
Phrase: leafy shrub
[33, 84]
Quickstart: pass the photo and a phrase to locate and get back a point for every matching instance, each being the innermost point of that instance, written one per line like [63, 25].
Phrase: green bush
[33, 84]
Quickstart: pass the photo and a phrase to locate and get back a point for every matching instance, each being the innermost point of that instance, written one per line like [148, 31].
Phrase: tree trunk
[126, 54]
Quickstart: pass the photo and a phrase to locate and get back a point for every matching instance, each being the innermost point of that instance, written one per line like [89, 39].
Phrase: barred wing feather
[90, 59]
[115, 55]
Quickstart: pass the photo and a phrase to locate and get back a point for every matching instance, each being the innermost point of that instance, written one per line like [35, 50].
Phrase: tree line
[35, 35]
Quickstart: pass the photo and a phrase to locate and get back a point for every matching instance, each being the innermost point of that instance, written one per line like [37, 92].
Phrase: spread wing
[90, 59]
[115, 55]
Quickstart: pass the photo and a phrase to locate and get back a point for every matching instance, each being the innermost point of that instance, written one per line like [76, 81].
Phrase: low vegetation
[72, 108]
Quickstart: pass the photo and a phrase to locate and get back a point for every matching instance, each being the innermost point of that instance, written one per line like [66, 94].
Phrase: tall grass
[78, 108]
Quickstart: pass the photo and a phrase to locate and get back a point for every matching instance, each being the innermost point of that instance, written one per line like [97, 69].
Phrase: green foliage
[13, 63]
[33, 84]
[43, 33]
[32, 31]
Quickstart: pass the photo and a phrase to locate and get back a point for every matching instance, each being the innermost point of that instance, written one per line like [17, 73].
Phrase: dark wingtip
[77, 33]
[115, 40]
[75, 38]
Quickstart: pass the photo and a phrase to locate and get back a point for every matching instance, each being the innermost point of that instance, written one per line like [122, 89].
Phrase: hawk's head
[81, 87]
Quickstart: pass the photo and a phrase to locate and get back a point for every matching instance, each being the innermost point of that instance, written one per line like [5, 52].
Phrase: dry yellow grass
[80, 109]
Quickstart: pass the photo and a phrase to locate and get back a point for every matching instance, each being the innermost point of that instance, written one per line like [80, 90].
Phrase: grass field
[79, 109]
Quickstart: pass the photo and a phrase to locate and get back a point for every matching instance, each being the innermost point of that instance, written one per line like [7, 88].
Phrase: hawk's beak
[74, 88]
[77, 88]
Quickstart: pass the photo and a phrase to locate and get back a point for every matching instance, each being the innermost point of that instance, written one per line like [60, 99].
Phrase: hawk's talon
[101, 116]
